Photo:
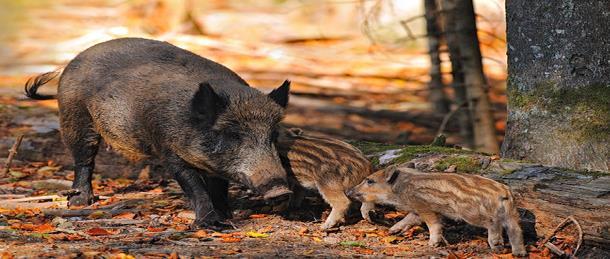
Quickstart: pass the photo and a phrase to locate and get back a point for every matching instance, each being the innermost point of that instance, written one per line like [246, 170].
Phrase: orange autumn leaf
[44, 228]
[365, 251]
[502, 256]
[98, 232]
[230, 240]
[393, 215]
[125, 215]
[153, 229]
[6, 255]
[200, 234]
[258, 216]
[221, 235]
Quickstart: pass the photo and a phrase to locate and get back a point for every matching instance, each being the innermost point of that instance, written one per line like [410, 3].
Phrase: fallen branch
[561, 225]
[11, 155]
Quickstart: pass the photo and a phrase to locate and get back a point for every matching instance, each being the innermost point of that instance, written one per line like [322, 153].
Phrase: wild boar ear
[280, 95]
[207, 102]
[295, 132]
[392, 174]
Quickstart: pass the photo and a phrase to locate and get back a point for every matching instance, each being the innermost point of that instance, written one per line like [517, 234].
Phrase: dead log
[551, 194]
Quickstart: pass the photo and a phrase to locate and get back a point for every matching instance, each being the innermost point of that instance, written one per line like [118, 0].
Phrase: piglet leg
[406, 223]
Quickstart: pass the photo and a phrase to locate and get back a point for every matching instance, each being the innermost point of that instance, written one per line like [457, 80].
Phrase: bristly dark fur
[32, 85]
[150, 99]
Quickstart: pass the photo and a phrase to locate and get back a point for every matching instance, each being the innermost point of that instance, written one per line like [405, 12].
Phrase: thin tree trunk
[437, 95]
[461, 18]
[457, 73]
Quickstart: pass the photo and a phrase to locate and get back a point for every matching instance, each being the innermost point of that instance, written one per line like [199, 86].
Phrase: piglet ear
[206, 103]
[280, 95]
[391, 174]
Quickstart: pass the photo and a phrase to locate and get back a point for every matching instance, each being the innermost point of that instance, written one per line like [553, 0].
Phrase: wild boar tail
[32, 85]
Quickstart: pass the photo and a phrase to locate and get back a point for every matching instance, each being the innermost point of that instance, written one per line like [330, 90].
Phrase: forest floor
[347, 88]
[142, 214]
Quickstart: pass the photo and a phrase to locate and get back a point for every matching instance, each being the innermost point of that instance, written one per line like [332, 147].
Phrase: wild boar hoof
[215, 225]
[520, 253]
[82, 199]
[435, 243]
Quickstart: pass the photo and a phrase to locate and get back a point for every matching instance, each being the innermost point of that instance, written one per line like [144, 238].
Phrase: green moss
[410, 152]
[587, 109]
[463, 164]
[369, 148]
[406, 153]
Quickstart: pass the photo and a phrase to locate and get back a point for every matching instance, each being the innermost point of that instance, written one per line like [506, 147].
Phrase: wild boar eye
[370, 181]
[232, 136]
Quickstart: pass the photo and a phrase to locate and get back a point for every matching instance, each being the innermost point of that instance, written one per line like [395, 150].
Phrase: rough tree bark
[559, 83]
[437, 95]
[462, 36]
[457, 81]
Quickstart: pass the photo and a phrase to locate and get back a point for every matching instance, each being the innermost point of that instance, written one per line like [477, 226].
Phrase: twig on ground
[561, 225]
[11, 155]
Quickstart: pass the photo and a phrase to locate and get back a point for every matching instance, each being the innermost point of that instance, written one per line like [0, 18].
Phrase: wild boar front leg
[195, 189]
[83, 142]
[298, 195]
[406, 223]
[365, 209]
[339, 203]
[435, 226]
[218, 189]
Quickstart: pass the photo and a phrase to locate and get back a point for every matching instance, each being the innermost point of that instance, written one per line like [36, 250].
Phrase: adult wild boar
[148, 98]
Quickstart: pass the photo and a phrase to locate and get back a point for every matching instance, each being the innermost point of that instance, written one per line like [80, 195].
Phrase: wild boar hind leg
[195, 188]
[494, 236]
[83, 142]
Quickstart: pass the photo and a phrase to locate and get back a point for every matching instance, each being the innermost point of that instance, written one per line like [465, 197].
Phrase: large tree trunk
[558, 87]
[437, 95]
[461, 22]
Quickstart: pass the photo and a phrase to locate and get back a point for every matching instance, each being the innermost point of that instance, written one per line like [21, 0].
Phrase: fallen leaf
[365, 251]
[258, 216]
[303, 230]
[254, 234]
[98, 214]
[44, 228]
[502, 256]
[317, 239]
[98, 232]
[125, 215]
[351, 243]
[230, 240]
[391, 239]
[200, 234]
[266, 229]
[6, 255]
[122, 256]
[393, 215]
[153, 229]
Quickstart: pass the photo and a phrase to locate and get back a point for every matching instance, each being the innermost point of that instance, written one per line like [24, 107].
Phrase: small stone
[451, 169]
[331, 240]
